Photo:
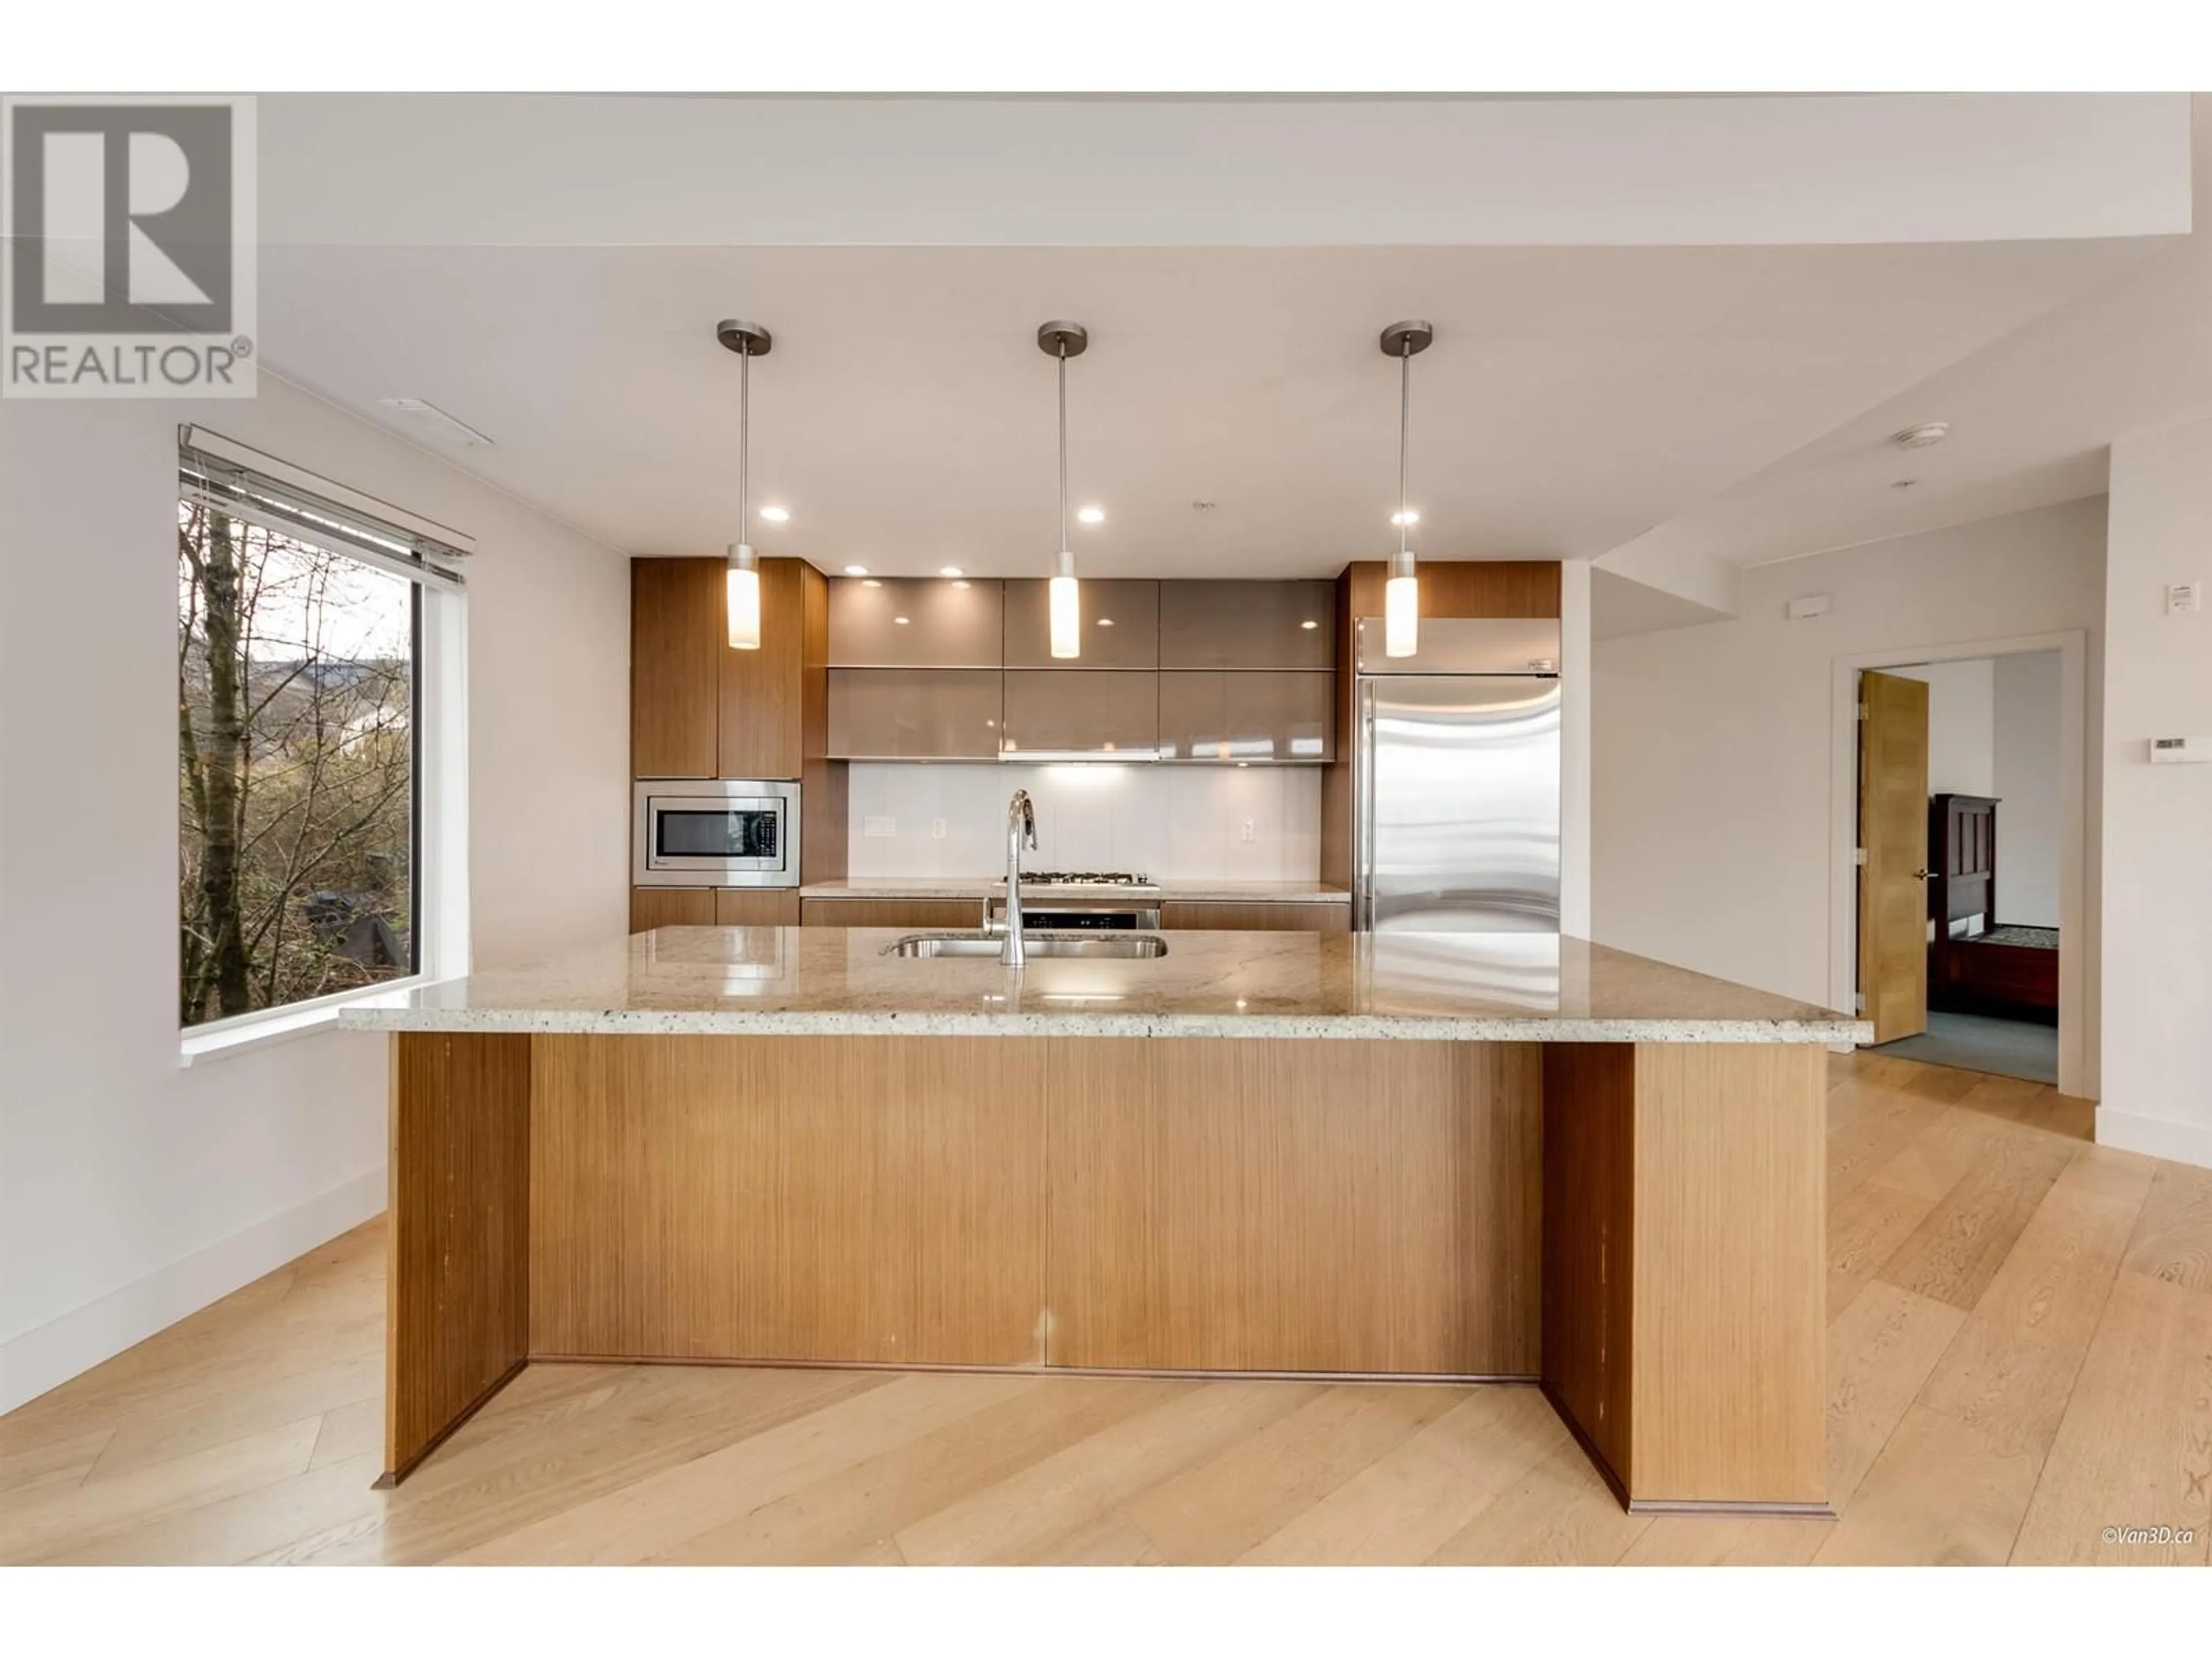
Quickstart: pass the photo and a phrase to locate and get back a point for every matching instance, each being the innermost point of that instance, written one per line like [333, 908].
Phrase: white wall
[2024, 777]
[1713, 779]
[133, 1190]
[2158, 820]
[1962, 724]
[1173, 823]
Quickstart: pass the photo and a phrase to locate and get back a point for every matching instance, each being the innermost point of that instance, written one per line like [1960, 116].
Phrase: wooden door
[1893, 853]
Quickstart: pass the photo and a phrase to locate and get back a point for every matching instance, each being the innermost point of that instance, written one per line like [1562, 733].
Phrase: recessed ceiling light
[900, 621]
[1105, 621]
[1092, 514]
[1409, 516]
[856, 570]
[776, 515]
[1920, 436]
[1202, 507]
[1310, 624]
[952, 570]
[871, 583]
[963, 584]
[1905, 483]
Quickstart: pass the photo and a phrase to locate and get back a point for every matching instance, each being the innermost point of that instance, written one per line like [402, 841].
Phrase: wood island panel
[835, 1199]
[1701, 1381]
[1257, 917]
[965, 914]
[1299, 1204]
[457, 1311]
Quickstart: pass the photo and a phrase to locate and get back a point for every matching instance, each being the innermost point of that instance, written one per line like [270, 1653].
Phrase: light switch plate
[937, 828]
[1244, 829]
[880, 828]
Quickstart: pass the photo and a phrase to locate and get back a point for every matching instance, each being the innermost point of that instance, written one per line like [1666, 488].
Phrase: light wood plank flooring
[2020, 1348]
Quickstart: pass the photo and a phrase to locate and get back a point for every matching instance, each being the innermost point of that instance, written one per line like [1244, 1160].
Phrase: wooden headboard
[1962, 851]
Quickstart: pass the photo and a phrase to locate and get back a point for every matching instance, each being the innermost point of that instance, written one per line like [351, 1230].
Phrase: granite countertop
[975, 887]
[837, 980]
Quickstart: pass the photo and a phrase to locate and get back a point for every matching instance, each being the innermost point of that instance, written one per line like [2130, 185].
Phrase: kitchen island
[1405, 1157]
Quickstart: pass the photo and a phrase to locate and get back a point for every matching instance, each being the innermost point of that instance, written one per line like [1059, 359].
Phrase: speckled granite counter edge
[1503, 1028]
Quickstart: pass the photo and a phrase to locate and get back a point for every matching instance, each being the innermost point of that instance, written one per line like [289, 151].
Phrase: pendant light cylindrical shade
[1401, 593]
[741, 579]
[1063, 340]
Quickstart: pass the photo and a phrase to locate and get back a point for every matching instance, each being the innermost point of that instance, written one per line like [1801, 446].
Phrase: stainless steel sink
[1122, 946]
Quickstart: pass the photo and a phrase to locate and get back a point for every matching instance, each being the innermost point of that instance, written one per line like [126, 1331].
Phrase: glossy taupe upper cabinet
[1120, 625]
[915, 623]
[1250, 624]
[914, 713]
[1248, 715]
[1081, 713]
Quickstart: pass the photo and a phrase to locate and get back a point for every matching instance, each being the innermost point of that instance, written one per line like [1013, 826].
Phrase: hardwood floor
[2020, 1346]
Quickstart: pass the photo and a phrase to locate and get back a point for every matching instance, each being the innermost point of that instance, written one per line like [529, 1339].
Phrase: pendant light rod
[1063, 443]
[1404, 427]
[741, 574]
[1061, 341]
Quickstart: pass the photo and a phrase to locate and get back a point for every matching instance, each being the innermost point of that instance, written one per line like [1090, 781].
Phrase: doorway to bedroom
[1960, 803]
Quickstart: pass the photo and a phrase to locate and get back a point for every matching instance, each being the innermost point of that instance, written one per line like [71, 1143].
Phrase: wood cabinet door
[936, 914]
[915, 714]
[670, 907]
[916, 622]
[1101, 711]
[1220, 715]
[1262, 916]
[756, 907]
[678, 638]
[1247, 624]
[761, 693]
[1120, 625]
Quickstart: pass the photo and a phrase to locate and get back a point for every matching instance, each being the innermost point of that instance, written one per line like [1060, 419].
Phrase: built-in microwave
[715, 832]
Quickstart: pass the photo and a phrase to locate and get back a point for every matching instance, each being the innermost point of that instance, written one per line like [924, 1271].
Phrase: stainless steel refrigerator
[1456, 824]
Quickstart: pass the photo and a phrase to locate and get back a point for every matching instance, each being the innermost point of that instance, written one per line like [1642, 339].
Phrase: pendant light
[1402, 594]
[741, 581]
[1062, 341]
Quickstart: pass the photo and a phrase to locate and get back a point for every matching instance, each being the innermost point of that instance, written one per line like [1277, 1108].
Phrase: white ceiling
[1709, 403]
[1573, 398]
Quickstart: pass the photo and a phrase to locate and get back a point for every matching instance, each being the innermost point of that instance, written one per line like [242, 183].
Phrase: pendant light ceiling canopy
[1061, 341]
[741, 579]
[1402, 594]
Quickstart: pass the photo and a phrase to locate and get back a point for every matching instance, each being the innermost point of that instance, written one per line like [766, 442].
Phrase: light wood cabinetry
[756, 907]
[1256, 917]
[915, 714]
[1120, 625]
[711, 907]
[911, 622]
[763, 694]
[1247, 624]
[670, 907]
[934, 913]
[678, 638]
[1229, 715]
[1100, 712]
[813, 1198]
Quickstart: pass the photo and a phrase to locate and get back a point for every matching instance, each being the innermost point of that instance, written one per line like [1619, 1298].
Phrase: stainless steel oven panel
[660, 797]
[1041, 912]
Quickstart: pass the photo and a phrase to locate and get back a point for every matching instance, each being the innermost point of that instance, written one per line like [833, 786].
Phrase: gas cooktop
[1083, 878]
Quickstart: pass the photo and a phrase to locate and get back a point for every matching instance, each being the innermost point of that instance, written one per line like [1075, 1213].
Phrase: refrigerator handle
[1362, 808]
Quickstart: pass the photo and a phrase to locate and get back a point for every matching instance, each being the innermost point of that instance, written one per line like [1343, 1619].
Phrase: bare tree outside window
[295, 735]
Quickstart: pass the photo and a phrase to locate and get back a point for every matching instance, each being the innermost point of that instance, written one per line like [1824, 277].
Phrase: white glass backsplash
[1173, 823]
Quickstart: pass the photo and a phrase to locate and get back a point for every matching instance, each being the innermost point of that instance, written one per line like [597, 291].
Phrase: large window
[299, 636]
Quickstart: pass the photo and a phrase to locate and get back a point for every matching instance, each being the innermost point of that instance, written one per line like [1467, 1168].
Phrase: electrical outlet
[880, 828]
[1244, 829]
[937, 828]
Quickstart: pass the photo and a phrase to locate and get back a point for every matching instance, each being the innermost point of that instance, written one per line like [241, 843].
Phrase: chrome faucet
[1020, 821]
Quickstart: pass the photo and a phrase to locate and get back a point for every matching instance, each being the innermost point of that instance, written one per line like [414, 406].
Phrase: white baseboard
[48, 1355]
[2155, 1137]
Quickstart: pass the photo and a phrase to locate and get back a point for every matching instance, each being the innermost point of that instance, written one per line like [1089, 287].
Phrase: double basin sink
[1121, 946]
